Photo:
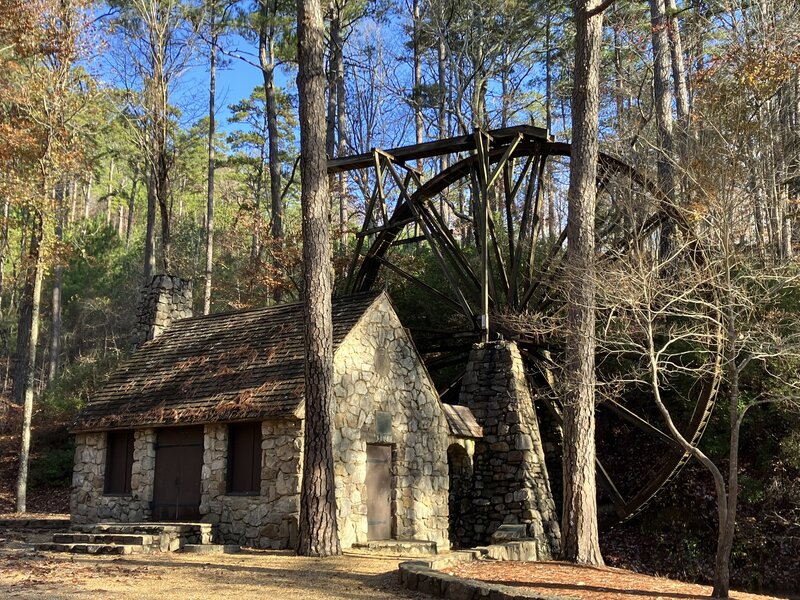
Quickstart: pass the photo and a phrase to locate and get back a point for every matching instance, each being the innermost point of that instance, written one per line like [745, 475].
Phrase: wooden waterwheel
[490, 186]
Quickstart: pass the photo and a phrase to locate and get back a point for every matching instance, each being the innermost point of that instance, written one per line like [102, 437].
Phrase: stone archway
[459, 465]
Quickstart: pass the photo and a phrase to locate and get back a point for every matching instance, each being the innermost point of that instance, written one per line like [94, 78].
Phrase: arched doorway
[459, 464]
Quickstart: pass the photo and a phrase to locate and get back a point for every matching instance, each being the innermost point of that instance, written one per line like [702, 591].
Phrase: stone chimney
[165, 299]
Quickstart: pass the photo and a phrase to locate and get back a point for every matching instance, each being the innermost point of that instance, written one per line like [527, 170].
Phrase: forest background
[107, 110]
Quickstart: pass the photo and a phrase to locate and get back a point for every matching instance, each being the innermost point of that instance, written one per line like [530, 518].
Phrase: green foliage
[751, 490]
[76, 384]
[52, 466]
[790, 448]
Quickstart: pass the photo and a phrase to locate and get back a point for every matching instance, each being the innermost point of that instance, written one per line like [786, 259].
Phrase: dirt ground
[264, 575]
[587, 583]
[270, 575]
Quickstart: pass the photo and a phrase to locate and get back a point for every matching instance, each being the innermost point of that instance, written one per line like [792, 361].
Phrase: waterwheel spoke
[418, 282]
[546, 269]
[634, 419]
[524, 270]
[607, 485]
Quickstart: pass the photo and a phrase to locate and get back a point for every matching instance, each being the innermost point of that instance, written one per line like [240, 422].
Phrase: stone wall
[377, 372]
[510, 483]
[383, 394]
[88, 504]
[266, 520]
[166, 298]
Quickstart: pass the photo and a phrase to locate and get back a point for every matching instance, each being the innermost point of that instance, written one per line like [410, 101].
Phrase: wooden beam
[451, 145]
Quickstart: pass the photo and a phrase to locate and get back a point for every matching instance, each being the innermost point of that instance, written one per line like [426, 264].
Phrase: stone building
[205, 423]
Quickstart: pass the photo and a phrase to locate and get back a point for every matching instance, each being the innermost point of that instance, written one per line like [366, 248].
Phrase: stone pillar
[143, 471]
[166, 298]
[510, 482]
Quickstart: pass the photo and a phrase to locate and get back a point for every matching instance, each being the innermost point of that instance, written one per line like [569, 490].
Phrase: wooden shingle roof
[461, 421]
[223, 367]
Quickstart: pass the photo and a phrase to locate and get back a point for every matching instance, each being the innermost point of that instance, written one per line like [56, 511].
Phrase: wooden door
[379, 492]
[179, 464]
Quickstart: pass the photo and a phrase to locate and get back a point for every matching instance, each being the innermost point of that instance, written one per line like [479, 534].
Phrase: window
[244, 458]
[119, 459]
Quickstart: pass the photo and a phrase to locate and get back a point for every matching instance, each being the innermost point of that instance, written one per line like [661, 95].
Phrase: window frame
[253, 430]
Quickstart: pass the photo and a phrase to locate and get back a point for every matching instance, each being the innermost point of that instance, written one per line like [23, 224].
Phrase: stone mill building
[204, 423]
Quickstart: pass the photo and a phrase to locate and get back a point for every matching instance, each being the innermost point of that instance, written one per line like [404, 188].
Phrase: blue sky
[235, 81]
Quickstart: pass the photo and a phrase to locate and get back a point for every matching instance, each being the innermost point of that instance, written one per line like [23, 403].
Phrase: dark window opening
[119, 460]
[244, 458]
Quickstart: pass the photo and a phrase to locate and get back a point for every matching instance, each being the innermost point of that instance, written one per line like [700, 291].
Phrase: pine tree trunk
[109, 192]
[266, 53]
[3, 249]
[318, 532]
[55, 339]
[341, 141]
[579, 523]
[212, 130]
[417, 57]
[548, 123]
[162, 196]
[441, 63]
[150, 232]
[74, 199]
[28, 374]
[678, 67]
[131, 207]
[86, 202]
[330, 123]
[25, 312]
[662, 98]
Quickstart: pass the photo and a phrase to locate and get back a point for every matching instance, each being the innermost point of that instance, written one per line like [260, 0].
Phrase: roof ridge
[244, 311]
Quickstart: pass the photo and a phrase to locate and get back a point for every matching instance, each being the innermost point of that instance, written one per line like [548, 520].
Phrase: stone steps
[129, 539]
[132, 538]
[399, 547]
[84, 548]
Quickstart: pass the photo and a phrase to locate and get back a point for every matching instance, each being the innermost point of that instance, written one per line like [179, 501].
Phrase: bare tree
[156, 39]
[709, 318]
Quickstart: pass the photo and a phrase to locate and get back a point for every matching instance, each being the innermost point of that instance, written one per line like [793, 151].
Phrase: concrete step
[148, 528]
[399, 547]
[81, 548]
[130, 539]
[169, 537]
[211, 548]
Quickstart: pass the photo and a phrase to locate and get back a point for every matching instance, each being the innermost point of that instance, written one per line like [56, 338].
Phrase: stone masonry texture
[510, 483]
[166, 298]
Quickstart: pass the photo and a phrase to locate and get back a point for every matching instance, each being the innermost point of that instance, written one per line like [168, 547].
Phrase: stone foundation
[510, 482]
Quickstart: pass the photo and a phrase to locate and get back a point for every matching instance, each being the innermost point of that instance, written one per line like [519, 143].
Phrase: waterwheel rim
[416, 209]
